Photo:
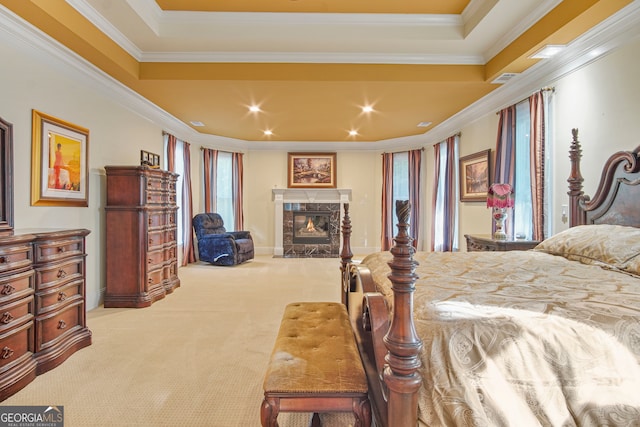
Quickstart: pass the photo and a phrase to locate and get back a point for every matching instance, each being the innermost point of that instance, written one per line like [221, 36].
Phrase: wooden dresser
[42, 303]
[141, 252]
[486, 243]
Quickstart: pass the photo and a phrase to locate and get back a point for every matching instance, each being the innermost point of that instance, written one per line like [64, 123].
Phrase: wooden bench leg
[269, 412]
[315, 420]
[362, 412]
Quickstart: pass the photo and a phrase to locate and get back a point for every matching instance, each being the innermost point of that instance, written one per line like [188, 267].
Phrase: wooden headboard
[617, 199]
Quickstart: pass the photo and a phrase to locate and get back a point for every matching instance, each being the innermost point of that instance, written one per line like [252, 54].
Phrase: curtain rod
[402, 151]
[544, 89]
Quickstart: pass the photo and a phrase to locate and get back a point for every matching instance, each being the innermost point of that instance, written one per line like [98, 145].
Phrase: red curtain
[210, 159]
[188, 248]
[236, 182]
[537, 143]
[387, 202]
[415, 164]
[504, 172]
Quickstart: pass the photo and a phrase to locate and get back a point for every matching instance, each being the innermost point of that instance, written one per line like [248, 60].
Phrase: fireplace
[295, 209]
[311, 227]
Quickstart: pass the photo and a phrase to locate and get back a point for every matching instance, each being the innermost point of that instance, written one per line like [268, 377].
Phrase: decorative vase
[500, 216]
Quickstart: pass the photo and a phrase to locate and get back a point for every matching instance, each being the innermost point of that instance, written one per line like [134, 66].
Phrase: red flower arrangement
[499, 196]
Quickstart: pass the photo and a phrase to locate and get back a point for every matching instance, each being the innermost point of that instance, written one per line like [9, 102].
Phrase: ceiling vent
[503, 78]
[424, 124]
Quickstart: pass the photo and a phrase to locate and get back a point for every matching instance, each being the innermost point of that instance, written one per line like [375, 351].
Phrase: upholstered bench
[315, 366]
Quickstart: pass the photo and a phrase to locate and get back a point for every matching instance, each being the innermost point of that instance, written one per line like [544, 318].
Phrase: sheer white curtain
[446, 195]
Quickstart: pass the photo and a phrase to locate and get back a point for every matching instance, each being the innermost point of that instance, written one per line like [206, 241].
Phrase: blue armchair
[218, 246]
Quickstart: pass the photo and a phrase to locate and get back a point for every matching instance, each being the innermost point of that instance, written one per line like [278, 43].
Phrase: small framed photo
[59, 162]
[474, 176]
[311, 170]
[151, 160]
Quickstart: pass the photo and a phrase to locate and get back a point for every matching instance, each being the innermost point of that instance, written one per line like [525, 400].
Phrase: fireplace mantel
[302, 195]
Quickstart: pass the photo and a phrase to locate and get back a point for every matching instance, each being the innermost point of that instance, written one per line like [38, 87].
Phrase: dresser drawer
[15, 257]
[16, 344]
[55, 250]
[51, 327]
[16, 286]
[55, 275]
[56, 297]
[16, 313]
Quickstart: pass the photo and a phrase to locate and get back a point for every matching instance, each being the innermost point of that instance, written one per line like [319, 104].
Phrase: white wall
[116, 136]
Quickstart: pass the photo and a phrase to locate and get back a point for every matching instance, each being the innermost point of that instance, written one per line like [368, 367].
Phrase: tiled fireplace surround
[287, 201]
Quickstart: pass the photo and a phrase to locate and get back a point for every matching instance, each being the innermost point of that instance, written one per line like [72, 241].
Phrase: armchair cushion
[218, 246]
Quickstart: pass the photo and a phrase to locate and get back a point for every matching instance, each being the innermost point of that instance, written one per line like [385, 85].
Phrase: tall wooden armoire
[141, 235]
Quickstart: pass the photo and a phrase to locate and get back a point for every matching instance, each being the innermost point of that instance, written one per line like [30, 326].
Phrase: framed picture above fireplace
[311, 170]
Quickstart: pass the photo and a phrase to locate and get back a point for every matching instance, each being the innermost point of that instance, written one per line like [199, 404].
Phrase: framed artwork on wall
[59, 162]
[474, 176]
[311, 170]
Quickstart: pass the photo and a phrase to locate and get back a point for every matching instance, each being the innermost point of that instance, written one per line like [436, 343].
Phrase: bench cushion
[315, 352]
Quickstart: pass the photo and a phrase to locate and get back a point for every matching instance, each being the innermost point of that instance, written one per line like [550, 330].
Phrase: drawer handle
[150, 221]
[61, 274]
[151, 241]
[62, 296]
[61, 249]
[6, 353]
[7, 289]
[3, 259]
[61, 324]
[6, 317]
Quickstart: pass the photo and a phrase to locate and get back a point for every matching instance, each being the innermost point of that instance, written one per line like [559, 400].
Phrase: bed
[549, 336]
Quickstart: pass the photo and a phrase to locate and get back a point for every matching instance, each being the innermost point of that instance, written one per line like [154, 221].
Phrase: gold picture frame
[311, 170]
[59, 162]
[474, 176]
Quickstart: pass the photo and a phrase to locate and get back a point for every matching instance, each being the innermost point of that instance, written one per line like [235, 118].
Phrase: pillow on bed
[606, 245]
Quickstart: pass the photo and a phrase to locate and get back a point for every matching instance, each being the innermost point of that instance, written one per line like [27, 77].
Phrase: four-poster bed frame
[387, 338]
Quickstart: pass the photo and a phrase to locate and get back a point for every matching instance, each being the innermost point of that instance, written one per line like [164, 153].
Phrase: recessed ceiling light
[424, 124]
[199, 124]
[254, 108]
[367, 109]
[353, 132]
[548, 51]
[268, 132]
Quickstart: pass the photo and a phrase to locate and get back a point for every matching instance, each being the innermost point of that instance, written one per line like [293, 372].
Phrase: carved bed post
[400, 375]
[346, 255]
[576, 195]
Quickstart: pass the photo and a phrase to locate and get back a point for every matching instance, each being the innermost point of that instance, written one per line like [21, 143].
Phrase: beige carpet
[195, 358]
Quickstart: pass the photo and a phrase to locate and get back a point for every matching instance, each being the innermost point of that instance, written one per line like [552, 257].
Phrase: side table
[484, 242]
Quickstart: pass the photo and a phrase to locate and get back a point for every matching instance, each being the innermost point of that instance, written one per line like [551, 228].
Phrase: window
[179, 169]
[400, 181]
[445, 220]
[522, 211]
[224, 189]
